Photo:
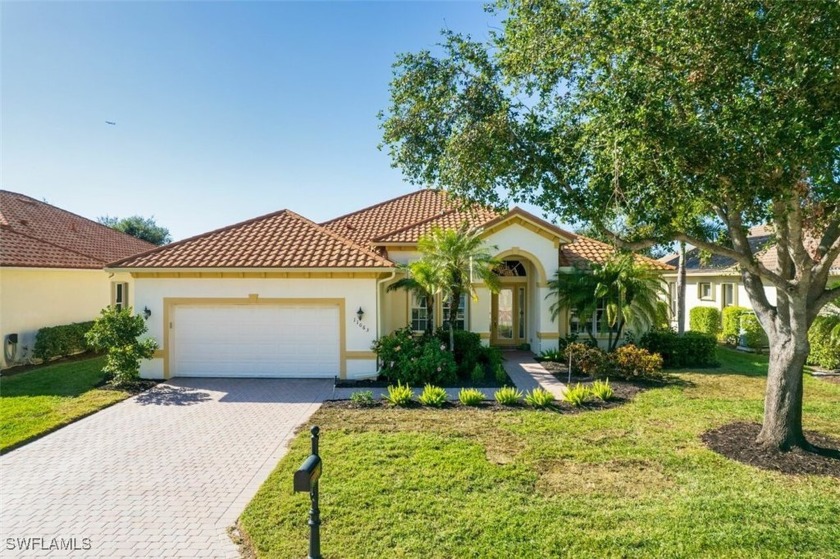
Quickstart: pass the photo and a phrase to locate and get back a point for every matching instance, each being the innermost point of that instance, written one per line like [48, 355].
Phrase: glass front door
[509, 316]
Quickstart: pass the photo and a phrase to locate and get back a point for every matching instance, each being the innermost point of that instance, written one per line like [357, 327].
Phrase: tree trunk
[454, 301]
[681, 291]
[430, 315]
[782, 426]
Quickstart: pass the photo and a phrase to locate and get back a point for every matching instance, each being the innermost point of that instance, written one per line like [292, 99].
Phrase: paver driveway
[162, 474]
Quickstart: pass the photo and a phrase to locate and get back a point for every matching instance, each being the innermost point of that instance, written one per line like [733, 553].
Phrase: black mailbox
[308, 473]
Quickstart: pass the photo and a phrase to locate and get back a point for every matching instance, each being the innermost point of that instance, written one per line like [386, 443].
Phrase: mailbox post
[306, 479]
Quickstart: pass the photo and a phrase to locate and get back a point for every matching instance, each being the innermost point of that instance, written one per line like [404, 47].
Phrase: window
[419, 313]
[727, 295]
[704, 291]
[576, 325]
[460, 320]
[119, 295]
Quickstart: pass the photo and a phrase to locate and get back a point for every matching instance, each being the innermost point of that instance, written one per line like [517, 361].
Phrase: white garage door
[255, 341]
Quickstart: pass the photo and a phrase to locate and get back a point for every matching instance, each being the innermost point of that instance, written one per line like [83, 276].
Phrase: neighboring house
[51, 270]
[280, 295]
[715, 281]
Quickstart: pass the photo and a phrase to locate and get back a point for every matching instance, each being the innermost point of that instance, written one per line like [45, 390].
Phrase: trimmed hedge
[52, 342]
[754, 335]
[824, 353]
[704, 319]
[692, 349]
[731, 324]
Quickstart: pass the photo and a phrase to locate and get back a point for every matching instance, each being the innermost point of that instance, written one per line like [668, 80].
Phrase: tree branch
[828, 296]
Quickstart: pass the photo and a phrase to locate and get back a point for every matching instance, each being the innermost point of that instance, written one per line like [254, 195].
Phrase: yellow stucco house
[51, 270]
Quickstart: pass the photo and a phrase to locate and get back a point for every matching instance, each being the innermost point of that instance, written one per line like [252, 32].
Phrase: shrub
[731, 324]
[508, 396]
[470, 396]
[414, 360]
[587, 359]
[825, 352]
[477, 374]
[602, 389]
[399, 395]
[539, 398]
[577, 395]
[704, 319]
[692, 349]
[468, 349]
[551, 355]
[491, 358]
[434, 396]
[499, 374]
[636, 363]
[52, 342]
[363, 398]
[754, 336]
[118, 330]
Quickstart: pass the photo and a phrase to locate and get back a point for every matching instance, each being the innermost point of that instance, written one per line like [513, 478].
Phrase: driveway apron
[163, 474]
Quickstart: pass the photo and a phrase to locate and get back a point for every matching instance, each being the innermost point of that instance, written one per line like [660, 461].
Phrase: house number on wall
[360, 324]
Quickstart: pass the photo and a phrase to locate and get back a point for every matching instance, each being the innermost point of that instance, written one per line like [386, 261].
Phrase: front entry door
[508, 308]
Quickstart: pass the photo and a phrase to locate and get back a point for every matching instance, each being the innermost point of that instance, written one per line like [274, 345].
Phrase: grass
[37, 402]
[632, 481]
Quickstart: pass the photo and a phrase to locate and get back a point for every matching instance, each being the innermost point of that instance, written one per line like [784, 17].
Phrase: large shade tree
[691, 120]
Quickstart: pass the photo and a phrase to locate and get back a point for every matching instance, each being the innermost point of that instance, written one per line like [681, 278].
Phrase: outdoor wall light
[360, 313]
[146, 313]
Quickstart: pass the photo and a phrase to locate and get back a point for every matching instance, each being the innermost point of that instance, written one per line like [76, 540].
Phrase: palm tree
[424, 281]
[627, 291]
[462, 258]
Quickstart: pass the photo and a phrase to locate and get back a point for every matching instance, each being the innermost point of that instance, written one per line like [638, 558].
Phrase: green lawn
[633, 481]
[41, 400]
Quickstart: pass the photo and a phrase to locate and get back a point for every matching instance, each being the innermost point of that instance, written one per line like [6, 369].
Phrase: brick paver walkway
[163, 474]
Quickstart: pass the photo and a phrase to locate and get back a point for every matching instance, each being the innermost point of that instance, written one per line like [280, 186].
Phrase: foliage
[577, 395]
[424, 280]
[118, 332]
[433, 396]
[411, 359]
[539, 398]
[143, 228]
[363, 398]
[500, 374]
[60, 341]
[461, 259]
[551, 354]
[628, 291]
[825, 348]
[686, 121]
[478, 373]
[491, 358]
[508, 396]
[470, 396]
[601, 389]
[468, 350]
[754, 336]
[731, 324]
[399, 395]
[704, 319]
[635, 363]
[587, 359]
[692, 349]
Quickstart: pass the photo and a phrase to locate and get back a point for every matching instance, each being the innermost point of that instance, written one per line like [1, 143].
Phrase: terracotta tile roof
[583, 250]
[282, 239]
[35, 234]
[452, 219]
[377, 221]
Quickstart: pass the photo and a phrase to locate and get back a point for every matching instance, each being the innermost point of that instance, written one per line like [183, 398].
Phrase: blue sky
[224, 110]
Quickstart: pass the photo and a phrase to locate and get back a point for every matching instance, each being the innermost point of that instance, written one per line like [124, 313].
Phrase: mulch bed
[834, 379]
[623, 392]
[737, 442]
[134, 388]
